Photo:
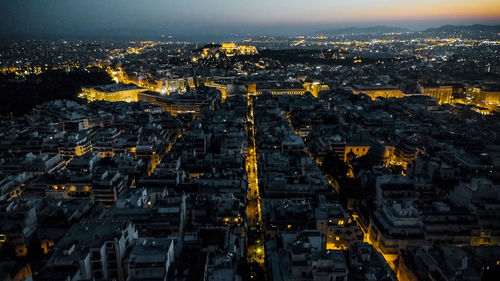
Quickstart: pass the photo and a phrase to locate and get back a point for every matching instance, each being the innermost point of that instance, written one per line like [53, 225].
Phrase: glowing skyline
[222, 16]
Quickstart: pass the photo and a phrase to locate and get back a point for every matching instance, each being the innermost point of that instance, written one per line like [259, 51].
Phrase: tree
[333, 166]
[20, 97]
[374, 157]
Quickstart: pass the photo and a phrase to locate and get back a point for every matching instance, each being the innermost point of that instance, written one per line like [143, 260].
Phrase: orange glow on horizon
[362, 11]
[459, 9]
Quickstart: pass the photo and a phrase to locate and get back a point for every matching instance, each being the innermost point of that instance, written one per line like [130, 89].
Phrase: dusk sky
[102, 17]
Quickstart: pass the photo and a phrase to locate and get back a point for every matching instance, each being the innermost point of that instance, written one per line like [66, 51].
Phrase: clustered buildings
[369, 160]
[424, 177]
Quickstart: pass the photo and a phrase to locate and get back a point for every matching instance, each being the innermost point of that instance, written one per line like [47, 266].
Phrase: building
[446, 262]
[333, 222]
[112, 92]
[18, 222]
[43, 163]
[286, 88]
[93, 249]
[150, 259]
[375, 92]
[367, 264]
[491, 97]
[443, 94]
[75, 145]
[175, 104]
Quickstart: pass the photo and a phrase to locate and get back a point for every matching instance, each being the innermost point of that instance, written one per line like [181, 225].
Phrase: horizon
[207, 37]
[195, 18]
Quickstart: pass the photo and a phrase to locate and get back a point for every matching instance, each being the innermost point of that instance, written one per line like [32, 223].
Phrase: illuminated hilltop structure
[231, 49]
[112, 92]
[227, 49]
[491, 97]
[490, 94]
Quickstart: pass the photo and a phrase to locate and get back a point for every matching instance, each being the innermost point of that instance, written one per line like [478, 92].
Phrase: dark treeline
[20, 96]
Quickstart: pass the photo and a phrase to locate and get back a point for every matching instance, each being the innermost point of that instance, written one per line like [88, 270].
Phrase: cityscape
[338, 150]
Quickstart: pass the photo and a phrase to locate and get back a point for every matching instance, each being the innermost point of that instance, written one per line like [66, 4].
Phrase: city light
[220, 149]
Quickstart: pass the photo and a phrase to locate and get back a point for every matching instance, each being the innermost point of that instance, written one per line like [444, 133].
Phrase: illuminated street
[255, 235]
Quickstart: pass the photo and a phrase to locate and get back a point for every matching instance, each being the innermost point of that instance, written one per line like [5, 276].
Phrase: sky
[198, 17]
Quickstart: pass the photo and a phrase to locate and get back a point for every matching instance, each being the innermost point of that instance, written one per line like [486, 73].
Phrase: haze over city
[191, 18]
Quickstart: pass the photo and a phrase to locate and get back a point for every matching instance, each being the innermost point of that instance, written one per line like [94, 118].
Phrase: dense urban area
[360, 156]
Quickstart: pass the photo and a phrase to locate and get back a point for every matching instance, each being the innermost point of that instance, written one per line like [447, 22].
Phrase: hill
[379, 29]
[462, 28]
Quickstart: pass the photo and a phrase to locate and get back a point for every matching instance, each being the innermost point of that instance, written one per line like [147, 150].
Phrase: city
[356, 153]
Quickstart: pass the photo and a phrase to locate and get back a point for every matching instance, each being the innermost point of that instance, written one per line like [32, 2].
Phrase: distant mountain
[462, 28]
[379, 29]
